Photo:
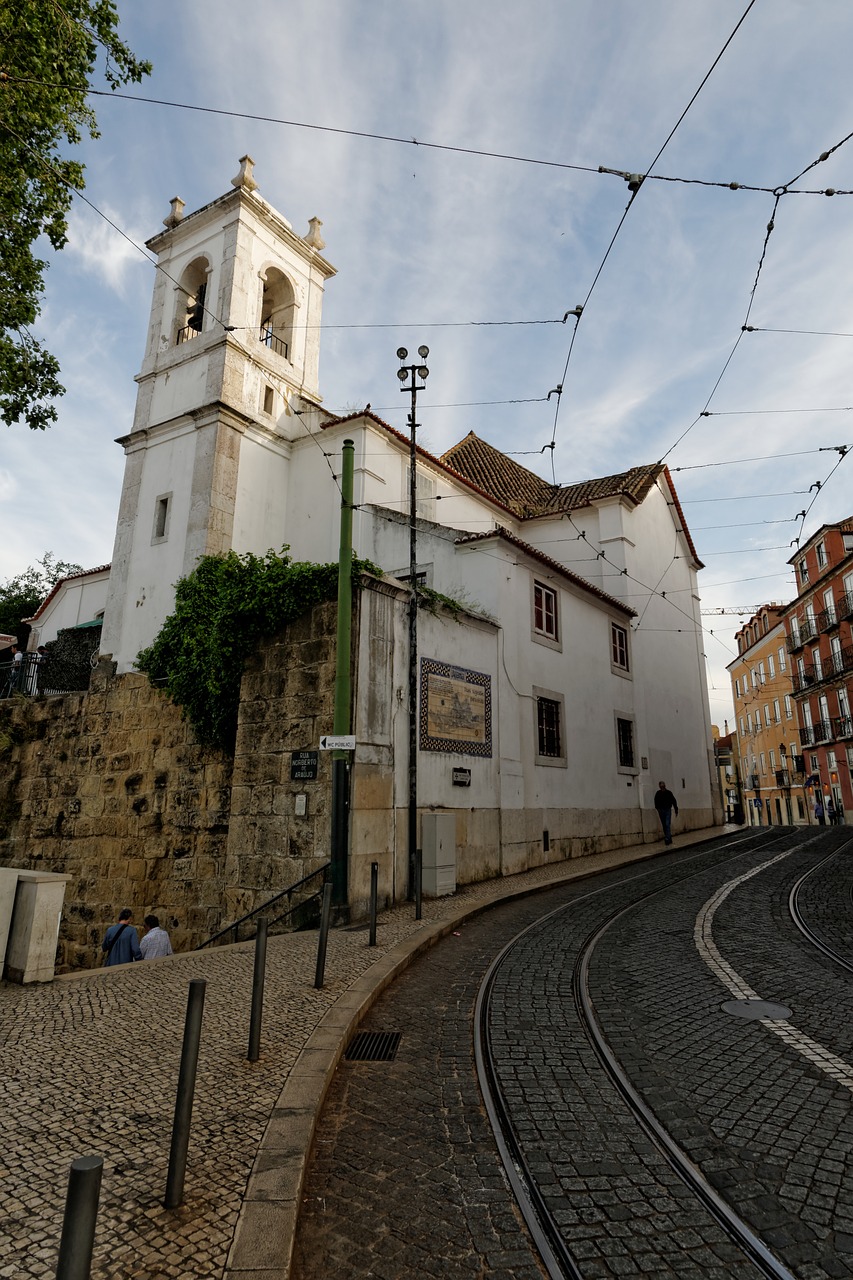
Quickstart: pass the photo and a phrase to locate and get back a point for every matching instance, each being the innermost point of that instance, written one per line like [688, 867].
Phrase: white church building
[581, 613]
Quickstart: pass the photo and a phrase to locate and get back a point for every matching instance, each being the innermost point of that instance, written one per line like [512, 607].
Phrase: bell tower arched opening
[278, 308]
[190, 308]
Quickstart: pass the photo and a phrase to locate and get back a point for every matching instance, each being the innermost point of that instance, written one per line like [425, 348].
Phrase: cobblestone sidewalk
[89, 1065]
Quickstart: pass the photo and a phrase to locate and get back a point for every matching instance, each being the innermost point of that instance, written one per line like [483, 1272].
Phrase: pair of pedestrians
[121, 943]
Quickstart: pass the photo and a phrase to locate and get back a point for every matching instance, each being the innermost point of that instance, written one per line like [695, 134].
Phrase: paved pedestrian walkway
[89, 1065]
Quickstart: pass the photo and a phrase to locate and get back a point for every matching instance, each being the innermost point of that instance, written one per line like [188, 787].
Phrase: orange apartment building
[772, 768]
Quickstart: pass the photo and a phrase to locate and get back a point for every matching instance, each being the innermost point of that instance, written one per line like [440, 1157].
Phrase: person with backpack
[121, 944]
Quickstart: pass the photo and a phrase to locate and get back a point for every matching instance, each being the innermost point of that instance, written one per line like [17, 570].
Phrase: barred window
[625, 742]
[549, 729]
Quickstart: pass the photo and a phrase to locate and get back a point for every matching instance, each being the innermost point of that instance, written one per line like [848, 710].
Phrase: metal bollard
[258, 992]
[374, 887]
[419, 882]
[81, 1212]
[324, 934]
[184, 1100]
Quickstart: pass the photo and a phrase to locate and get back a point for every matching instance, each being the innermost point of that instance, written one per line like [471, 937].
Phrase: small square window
[619, 646]
[545, 611]
[162, 512]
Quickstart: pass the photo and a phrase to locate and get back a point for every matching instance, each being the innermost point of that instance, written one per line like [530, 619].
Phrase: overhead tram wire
[778, 193]
[768, 457]
[635, 182]
[721, 184]
[743, 497]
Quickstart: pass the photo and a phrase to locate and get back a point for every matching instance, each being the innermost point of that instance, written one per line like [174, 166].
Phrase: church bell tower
[231, 370]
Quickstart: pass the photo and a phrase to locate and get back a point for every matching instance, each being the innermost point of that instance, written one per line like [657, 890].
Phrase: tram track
[558, 1256]
[798, 914]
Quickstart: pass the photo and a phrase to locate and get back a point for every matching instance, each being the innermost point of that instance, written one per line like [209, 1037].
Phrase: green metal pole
[343, 688]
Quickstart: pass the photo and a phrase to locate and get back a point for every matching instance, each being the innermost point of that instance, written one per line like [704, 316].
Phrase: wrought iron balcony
[804, 679]
[808, 629]
[186, 334]
[755, 782]
[842, 727]
[844, 605]
[827, 619]
[783, 778]
[807, 738]
[822, 730]
[271, 340]
[839, 661]
[798, 764]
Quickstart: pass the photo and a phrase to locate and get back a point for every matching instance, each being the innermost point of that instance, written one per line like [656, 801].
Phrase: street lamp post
[786, 782]
[409, 375]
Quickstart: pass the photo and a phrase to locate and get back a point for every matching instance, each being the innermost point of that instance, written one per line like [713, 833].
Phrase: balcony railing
[783, 778]
[842, 727]
[188, 332]
[798, 764]
[804, 679]
[271, 340]
[827, 619]
[807, 630]
[822, 730]
[839, 661]
[755, 782]
[807, 738]
[844, 605]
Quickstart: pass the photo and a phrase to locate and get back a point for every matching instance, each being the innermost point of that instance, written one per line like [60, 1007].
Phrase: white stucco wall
[79, 599]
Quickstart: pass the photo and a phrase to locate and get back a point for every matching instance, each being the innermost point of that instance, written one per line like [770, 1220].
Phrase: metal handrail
[265, 906]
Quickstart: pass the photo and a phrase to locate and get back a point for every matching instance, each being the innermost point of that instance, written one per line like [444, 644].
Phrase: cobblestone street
[89, 1066]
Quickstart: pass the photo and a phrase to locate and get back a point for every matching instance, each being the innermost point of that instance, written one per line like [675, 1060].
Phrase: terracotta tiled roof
[634, 484]
[482, 467]
[492, 471]
[553, 565]
[528, 494]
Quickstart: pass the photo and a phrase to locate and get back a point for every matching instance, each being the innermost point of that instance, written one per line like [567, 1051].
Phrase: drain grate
[373, 1046]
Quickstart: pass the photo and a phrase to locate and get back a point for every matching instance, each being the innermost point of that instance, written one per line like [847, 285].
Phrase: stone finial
[244, 180]
[314, 238]
[176, 212]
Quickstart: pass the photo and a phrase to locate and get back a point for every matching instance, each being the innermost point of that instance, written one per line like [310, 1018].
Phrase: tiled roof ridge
[82, 573]
[422, 453]
[500, 532]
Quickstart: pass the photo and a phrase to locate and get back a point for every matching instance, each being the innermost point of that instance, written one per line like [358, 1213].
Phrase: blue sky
[426, 239]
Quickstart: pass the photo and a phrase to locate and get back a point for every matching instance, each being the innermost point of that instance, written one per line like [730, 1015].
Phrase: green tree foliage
[222, 611]
[49, 54]
[21, 596]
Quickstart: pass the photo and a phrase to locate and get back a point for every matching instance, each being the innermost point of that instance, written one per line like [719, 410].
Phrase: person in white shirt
[155, 941]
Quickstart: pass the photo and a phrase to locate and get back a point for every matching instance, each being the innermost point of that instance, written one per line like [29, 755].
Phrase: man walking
[120, 944]
[665, 802]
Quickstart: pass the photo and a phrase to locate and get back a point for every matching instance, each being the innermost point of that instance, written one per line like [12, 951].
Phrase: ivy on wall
[222, 610]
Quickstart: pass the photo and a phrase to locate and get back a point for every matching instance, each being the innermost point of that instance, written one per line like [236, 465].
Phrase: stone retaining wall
[111, 787]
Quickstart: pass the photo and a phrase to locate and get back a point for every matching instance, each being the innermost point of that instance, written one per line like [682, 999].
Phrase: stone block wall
[112, 788]
[287, 703]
